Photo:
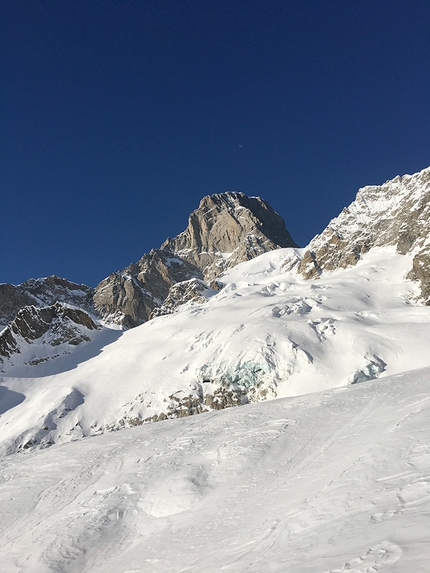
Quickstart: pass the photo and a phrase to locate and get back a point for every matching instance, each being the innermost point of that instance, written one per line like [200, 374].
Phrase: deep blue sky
[117, 116]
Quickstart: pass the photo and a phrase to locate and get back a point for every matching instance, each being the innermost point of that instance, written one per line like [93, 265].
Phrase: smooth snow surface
[329, 482]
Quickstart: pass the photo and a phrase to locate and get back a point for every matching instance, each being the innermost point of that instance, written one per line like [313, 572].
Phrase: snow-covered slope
[333, 476]
[325, 483]
[268, 333]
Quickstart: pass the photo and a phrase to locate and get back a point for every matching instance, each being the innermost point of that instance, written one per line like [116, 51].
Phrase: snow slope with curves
[333, 476]
[328, 482]
[268, 333]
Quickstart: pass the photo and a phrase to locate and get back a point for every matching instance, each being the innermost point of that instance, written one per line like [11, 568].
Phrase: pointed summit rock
[226, 229]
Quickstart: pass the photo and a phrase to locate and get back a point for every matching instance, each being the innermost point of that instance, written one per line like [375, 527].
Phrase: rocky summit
[225, 230]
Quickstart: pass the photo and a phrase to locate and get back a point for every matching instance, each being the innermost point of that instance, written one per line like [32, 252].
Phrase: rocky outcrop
[228, 229]
[182, 404]
[129, 297]
[420, 272]
[183, 292]
[225, 230]
[395, 213]
[40, 293]
[57, 325]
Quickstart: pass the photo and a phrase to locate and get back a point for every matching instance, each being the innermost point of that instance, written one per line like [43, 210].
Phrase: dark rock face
[225, 230]
[130, 296]
[396, 213]
[420, 271]
[57, 323]
[42, 292]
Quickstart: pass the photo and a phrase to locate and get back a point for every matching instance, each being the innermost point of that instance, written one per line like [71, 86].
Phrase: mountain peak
[42, 292]
[226, 229]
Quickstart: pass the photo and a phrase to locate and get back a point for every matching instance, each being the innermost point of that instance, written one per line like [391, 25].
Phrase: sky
[118, 116]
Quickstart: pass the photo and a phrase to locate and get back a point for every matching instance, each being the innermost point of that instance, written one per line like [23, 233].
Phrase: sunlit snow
[332, 477]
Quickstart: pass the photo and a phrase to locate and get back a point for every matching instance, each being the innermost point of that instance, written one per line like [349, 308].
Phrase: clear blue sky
[117, 116]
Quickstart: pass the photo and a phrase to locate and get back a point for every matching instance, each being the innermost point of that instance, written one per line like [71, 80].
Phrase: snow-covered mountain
[225, 230]
[264, 331]
[332, 476]
[396, 213]
[42, 292]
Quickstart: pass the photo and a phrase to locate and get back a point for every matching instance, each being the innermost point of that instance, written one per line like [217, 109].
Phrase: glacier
[321, 466]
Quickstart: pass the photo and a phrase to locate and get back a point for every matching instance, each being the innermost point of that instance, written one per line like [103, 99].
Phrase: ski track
[326, 483]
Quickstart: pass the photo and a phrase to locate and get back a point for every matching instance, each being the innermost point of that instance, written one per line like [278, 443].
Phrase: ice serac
[393, 214]
[226, 229]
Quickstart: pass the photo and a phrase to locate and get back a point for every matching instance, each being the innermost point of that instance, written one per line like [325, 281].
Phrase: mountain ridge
[395, 213]
[42, 292]
[225, 230]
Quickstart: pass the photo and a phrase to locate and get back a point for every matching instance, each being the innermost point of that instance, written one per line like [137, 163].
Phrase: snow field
[333, 477]
[328, 482]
